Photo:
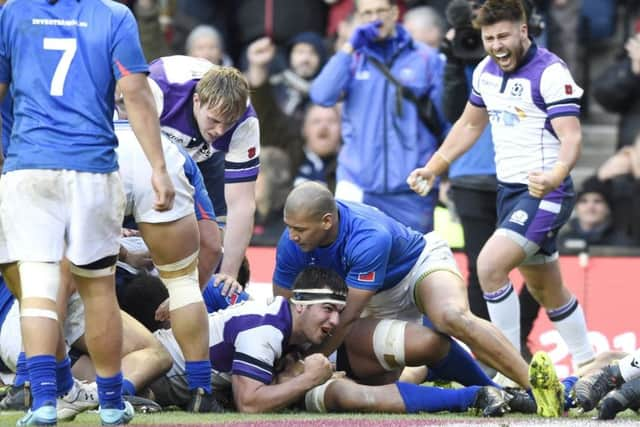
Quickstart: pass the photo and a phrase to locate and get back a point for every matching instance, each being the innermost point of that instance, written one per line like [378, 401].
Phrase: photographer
[473, 176]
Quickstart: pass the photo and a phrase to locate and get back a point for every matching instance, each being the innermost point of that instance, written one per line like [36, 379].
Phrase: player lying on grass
[249, 341]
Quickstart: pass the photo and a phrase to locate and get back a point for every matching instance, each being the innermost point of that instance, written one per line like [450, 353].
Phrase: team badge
[568, 89]
[519, 217]
[251, 152]
[517, 89]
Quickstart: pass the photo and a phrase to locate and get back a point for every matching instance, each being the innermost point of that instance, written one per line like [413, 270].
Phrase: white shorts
[399, 301]
[135, 172]
[173, 388]
[45, 210]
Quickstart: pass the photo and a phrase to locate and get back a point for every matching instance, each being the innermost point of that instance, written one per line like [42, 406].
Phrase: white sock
[504, 310]
[570, 323]
[630, 366]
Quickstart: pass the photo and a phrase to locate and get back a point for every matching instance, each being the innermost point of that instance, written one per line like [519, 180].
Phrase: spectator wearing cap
[592, 224]
[289, 88]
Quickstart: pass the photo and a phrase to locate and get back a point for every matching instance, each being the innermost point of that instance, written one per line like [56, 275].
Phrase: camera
[467, 41]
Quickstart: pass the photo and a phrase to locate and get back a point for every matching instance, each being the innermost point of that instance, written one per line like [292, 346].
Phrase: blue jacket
[480, 159]
[381, 145]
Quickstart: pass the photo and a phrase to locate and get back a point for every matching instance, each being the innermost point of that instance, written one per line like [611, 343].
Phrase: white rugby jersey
[521, 105]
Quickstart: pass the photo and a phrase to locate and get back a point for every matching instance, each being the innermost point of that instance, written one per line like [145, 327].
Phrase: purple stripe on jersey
[222, 354]
[247, 369]
[476, 100]
[177, 110]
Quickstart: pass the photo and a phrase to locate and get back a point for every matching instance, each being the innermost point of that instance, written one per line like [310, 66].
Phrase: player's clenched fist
[421, 180]
[318, 368]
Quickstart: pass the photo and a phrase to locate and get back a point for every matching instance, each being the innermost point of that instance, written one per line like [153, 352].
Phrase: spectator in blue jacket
[383, 136]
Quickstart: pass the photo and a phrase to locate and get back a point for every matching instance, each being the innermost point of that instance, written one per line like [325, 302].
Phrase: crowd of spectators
[283, 45]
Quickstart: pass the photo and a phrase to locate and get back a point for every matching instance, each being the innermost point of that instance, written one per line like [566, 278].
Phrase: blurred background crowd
[282, 46]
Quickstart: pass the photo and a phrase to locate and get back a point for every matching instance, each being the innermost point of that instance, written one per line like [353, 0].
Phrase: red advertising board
[607, 287]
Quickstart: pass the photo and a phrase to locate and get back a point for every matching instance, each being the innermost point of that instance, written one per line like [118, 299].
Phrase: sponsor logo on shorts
[519, 217]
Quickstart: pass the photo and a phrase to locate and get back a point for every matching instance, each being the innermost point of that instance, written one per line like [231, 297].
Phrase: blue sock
[110, 391]
[128, 389]
[64, 379]
[22, 374]
[420, 398]
[459, 366]
[199, 374]
[568, 382]
[42, 371]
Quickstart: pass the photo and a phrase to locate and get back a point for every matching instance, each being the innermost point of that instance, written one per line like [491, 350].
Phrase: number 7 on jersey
[68, 47]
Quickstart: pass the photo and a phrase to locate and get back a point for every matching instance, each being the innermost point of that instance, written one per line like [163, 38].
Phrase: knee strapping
[388, 343]
[314, 398]
[102, 268]
[181, 280]
[39, 279]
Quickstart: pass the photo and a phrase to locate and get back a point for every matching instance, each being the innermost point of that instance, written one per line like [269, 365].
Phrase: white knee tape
[183, 290]
[90, 274]
[314, 398]
[38, 312]
[388, 343]
[39, 279]
[178, 265]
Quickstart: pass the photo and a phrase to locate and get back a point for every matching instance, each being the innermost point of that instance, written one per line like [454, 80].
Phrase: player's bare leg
[177, 266]
[442, 297]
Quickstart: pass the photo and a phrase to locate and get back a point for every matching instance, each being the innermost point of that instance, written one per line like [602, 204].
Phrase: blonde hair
[225, 90]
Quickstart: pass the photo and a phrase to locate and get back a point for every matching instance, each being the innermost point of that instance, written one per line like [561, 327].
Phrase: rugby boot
[548, 391]
[593, 387]
[116, 417]
[490, 402]
[201, 401]
[82, 397]
[618, 400]
[43, 416]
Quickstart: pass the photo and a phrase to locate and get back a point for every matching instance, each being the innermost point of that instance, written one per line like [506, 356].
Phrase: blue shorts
[212, 171]
[537, 220]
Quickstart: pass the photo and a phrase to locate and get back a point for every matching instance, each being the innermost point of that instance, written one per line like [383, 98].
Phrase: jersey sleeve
[126, 55]
[475, 97]
[242, 161]
[288, 262]
[257, 350]
[368, 259]
[559, 91]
